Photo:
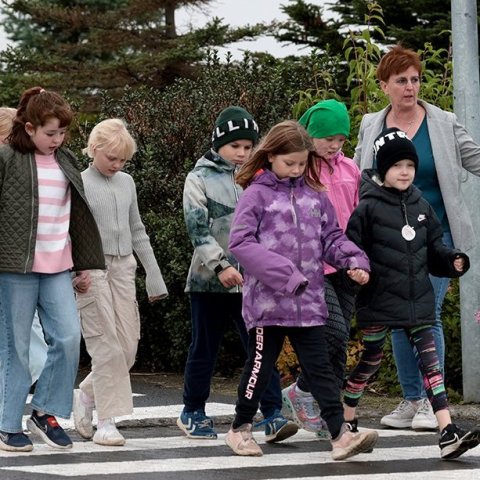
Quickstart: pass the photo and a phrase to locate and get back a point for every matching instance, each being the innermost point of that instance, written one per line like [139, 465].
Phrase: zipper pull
[292, 200]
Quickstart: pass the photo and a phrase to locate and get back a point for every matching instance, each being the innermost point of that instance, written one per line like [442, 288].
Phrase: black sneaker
[15, 442]
[455, 442]
[48, 429]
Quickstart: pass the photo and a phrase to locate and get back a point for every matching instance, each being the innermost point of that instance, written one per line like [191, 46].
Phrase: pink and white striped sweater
[53, 251]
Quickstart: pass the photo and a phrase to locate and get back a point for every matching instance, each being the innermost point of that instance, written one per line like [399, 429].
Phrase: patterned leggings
[373, 341]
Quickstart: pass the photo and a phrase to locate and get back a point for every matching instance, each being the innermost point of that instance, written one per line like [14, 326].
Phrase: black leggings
[340, 303]
[309, 343]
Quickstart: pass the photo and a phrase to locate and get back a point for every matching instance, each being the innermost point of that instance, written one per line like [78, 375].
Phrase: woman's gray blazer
[453, 151]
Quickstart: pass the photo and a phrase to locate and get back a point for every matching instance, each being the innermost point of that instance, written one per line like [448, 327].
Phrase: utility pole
[467, 108]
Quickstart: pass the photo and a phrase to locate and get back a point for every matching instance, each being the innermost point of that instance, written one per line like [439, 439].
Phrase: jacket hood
[372, 188]
[269, 179]
[212, 159]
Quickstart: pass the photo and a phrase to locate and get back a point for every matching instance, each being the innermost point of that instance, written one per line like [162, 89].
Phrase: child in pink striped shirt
[46, 230]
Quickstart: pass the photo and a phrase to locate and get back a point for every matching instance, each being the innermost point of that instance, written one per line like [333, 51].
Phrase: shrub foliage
[173, 129]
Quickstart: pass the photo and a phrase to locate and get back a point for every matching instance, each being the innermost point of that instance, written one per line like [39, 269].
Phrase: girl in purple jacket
[283, 230]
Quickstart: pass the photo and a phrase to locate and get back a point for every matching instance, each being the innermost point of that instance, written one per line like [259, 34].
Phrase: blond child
[108, 309]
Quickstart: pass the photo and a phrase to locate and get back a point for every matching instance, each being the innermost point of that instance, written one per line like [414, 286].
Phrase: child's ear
[29, 128]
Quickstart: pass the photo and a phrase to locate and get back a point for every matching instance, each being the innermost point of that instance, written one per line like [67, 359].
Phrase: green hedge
[173, 129]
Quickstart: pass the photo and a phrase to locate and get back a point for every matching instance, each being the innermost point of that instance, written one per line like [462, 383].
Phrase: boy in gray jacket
[214, 280]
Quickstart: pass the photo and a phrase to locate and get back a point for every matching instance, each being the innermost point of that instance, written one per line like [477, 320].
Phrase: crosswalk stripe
[463, 474]
[165, 443]
[299, 456]
[163, 414]
[229, 462]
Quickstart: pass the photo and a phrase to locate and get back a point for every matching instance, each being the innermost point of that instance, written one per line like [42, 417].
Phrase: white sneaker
[108, 434]
[241, 441]
[82, 416]
[424, 419]
[402, 416]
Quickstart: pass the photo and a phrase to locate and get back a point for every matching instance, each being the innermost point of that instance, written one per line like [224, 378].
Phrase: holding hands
[82, 281]
[358, 275]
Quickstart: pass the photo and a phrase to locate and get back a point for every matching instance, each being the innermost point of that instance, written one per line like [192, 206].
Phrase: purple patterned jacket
[281, 233]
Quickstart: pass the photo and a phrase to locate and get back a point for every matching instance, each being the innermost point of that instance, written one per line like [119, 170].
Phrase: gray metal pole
[467, 109]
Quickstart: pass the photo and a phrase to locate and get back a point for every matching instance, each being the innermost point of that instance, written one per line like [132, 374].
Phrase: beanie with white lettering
[234, 123]
[391, 146]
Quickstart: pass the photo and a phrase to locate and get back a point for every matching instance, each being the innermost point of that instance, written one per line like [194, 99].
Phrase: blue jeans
[52, 295]
[38, 349]
[405, 357]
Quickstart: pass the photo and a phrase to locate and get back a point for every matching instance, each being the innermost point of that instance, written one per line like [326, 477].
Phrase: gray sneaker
[424, 419]
[402, 416]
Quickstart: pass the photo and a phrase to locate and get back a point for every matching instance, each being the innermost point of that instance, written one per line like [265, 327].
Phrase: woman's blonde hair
[284, 138]
[111, 135]
[6, 122]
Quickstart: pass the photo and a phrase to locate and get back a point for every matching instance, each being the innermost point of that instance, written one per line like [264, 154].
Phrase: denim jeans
[52, 295]
[405, 357]
[38, 349]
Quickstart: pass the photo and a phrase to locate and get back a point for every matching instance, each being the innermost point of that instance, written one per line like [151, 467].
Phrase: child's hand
[230, 277]
[154, 298]
[358, 275]
[82, 281]
[459, 264]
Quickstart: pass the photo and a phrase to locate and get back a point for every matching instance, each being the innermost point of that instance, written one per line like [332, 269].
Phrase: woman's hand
[358, 275]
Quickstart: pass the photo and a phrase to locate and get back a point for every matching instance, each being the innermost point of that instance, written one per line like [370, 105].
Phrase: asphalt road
[157, 450]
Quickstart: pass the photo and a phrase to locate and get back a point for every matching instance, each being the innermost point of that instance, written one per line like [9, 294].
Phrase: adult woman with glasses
[444, 149]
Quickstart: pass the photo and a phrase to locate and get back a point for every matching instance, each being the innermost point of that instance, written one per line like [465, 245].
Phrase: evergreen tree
[411, 22]
[307, 26]
[88, 47]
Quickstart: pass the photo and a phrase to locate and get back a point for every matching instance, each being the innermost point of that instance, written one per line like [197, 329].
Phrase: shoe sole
[8, 448]
[288, 430]
[244, 453]
[289, 406]
[32, 426]
[420, 426]
[109, 443]
[365, 446]
[84, 431]
[469, 441]
[425, 428]
[183, 428]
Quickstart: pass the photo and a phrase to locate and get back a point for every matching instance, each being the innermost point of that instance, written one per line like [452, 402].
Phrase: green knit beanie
[234, 123]
[326, 119]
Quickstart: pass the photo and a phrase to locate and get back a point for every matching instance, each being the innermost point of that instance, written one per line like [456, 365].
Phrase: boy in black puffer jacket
[402, 237]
